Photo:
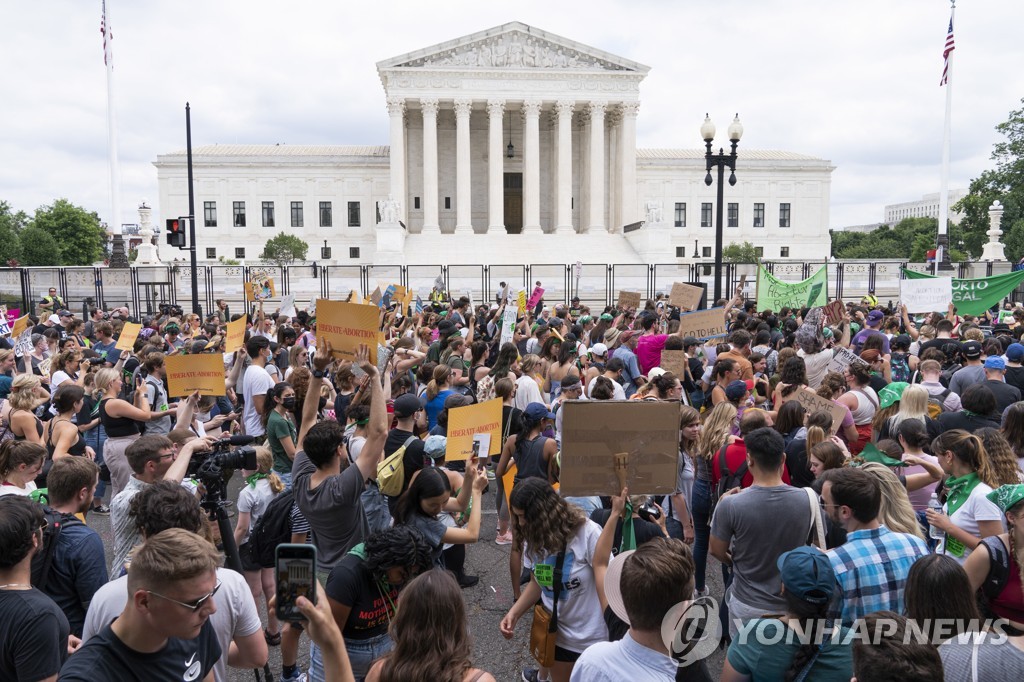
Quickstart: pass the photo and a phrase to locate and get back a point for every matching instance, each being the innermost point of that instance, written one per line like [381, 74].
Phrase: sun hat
[891, 394]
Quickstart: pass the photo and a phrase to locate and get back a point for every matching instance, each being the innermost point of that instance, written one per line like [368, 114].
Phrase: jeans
[286, 478]
[95, 438]
[361, 654]
[702, 510]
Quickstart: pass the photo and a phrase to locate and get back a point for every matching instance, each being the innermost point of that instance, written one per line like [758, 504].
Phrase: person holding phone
[121, 420]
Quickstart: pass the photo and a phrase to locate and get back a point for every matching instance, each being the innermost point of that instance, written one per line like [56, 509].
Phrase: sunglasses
[193, 606]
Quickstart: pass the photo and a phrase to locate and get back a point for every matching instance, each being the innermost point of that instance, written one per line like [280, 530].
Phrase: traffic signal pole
[191, 215]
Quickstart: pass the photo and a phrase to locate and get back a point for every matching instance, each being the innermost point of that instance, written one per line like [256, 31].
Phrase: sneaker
[533, 675]
[297, 677]
[102, 510]
[697, 594]
[468, 580]
[504, 538]
[490, 474]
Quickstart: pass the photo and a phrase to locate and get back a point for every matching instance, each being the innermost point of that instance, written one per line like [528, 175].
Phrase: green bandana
[959, 490]
[871, 453]
[628, 536]
[252, 480]
[1007, 496]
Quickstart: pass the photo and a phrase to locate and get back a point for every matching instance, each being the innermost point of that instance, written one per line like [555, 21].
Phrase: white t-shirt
[254, 501]
[817, 366]
[976, 508]
[15, 490]
[236, 614]
[619, 392]
[58, 378]
[256, 381]
[527, 391]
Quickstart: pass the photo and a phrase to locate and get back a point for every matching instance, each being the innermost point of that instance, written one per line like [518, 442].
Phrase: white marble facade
[570, 112]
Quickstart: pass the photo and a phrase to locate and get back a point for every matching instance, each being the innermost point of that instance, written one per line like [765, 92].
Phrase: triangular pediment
[513, 46]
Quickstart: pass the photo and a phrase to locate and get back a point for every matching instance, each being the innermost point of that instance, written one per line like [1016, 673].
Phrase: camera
[171, 310]
[649, 512]
[213, 468]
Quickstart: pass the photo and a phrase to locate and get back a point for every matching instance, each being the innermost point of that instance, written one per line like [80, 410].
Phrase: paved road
[486, 603]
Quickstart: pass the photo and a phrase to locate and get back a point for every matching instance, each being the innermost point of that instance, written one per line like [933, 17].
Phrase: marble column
[597, 165]
[583, 140]
[531, 167]
[627, 163]
[612, 120]
[396, 110]
[563, 221]
[463, 191]
[495, 166]
[431, 222]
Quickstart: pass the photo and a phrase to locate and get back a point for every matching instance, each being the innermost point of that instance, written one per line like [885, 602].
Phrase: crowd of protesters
[898, 507]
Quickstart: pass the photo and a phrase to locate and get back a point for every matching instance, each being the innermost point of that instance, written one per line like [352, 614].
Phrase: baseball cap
[901, 341]
[407, 405]
[874, 318]
[537, 411]
[655, 372]
[995, 362]
[53, 319]
[737, 389]
[1015, 352]
[434, 446]
[807, 572]
[64, 313]
[613, 586]
[599, 349]
[690, 341]
[971, 349]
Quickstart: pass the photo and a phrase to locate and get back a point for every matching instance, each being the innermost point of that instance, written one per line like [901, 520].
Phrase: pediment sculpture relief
[516, 51]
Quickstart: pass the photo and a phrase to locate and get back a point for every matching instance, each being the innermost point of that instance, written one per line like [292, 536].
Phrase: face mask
[289, 403]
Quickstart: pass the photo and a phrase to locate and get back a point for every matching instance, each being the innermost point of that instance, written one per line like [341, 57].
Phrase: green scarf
[251, 480]
[628, 537]
[959, 490]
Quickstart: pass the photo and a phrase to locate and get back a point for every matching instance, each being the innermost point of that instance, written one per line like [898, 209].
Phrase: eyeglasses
[192, 606]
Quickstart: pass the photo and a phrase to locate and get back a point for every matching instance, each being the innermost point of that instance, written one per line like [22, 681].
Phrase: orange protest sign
[187, 374]
[508, 480]
[483, 419]
[129, 332]
[20, 325]
[236, 334]
[346, 325]
[260, 288]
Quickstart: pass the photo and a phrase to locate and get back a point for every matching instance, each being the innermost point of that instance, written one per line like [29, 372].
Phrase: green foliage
[911, 239]
[227, 261]
[284, 249]
[11, 224]
[76, 232]
[38, 247]
[740, 253]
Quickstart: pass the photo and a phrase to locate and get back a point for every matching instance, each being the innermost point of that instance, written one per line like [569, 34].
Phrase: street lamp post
[720, 161]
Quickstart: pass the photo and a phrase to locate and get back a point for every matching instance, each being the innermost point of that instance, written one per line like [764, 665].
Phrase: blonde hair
[23, 392]
[104, 378]
[926, 332]
[717, 428]
[819, 426]
[170, 556]
[974, 334]
[895, 513]
[913, 405]
[265, 465]
[529, 362]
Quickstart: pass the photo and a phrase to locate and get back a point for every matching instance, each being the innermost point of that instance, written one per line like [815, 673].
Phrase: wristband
[318, 374]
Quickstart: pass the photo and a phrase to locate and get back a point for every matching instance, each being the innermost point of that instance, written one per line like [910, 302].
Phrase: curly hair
[1001, 457]
[20, 519]
[717, 428]
[163, 505]
[397, 547]
[549, 522]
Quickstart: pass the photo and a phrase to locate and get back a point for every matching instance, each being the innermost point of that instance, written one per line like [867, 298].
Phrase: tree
[284, 249]
[11, 224]
[38, 247]
[77, 232]
[910, 239]
[740, 253]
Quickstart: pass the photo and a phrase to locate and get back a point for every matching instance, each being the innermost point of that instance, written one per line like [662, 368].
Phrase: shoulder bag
[544, 631]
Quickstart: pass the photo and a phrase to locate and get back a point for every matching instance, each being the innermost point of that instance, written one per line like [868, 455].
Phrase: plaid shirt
[871, 569]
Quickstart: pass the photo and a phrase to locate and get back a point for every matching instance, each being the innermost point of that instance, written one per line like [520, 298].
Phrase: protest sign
[774, 294]
[535, 297]
[12, 315]
[685, 296]
[187, 374]
[706, 324]
[129, 332]
[509, 480]
[508, 325]
[19, 326]
[610, 443]
[629, 299]
[813, 402]
[674, 361]
[346, 325]
[834, 312]
[975, 296]
[466, 422]
[236, 334]
[843, 357]
[926, 295]
[23, 347]
[521, 301]
[376, 296]
[400, 292]
[260, 288]
[288, 305]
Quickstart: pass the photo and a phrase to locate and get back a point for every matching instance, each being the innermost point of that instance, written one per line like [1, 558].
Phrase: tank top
[39, 425]
[117, 427]
[529, 457]
[867, 405]
[77, 448]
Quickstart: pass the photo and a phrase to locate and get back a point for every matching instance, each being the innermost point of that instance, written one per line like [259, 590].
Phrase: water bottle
[933, 532]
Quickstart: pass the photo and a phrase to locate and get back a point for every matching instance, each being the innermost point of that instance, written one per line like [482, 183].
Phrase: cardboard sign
[706, 324]
[629, 299]
[674, 361]
[346, 326]
[376, 296]
[260, 288]
[842, 358]
[19, 326]
[685, 296]
[813, 402]
[926, 295]
[834, 312]
[611, 443]
[400, 292]
[509, 480]
[129, 332]
[187, 374]
[535, 297]
[236, 334]
[466, 422]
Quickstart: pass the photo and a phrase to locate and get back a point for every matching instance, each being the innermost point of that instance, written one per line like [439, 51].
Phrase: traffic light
[176, 232]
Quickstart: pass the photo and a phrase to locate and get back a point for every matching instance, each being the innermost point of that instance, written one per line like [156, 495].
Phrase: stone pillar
[613, 121]
[627, 164]
[993, 250]
[396, 110]
[431, 223]
[583, 138]
[563, 220]
[495, 166]
[597, 166]
[531, 167]
[463, 191]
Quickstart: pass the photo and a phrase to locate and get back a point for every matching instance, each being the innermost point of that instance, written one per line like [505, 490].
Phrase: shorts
[247, 563]
[566, 656]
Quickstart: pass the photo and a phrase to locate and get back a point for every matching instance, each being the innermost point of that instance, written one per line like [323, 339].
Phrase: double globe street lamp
[720, 161]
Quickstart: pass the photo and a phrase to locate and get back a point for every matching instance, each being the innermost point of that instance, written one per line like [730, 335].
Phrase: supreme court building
[506, 146]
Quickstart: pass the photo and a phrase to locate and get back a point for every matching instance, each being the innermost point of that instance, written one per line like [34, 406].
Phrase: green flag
[774, 294]
[975, 296]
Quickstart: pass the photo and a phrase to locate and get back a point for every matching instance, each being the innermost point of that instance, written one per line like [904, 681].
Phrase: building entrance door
[513, 203]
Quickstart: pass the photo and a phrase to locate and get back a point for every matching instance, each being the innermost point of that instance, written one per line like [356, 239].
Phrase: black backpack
[273, 528]
[42, 562]
[729, 479]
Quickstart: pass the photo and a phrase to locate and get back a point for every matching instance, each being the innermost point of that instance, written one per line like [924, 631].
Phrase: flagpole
[118, 257]
[942, 256]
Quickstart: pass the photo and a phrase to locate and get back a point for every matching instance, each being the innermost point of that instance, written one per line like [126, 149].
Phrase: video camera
[209, 466]
[171, 310]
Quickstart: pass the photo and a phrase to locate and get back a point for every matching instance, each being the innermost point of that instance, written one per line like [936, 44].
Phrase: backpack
[937, 403]
[42, 561]
[391, 472]
[729, 479]
[273, 528]
[947, 373]
[999, 567]
[900, 367]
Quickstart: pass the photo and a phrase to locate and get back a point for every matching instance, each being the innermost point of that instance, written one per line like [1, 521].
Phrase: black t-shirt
[105, 658]
[643, 531]
[796, 463]
[1005, 394]
[938, 343]
[341, 403]
[33, 636]
[1015, 377]
[414, 457]
[968, 422]
[372, 606]
[511, 420]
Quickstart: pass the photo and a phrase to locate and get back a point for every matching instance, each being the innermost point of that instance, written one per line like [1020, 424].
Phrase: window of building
[353, 214]
[705, 215]
[268, 214]
[376, 211]
[707, 270]
[296, 214]
[353, 252]
[211, 253]
[758, 215]
[784, 215]
[784, 252]
[759, 251]
[326, 219]
[680, 252]
[238, 208]
[447, 202]
[415, 202]
[210, 213]
[239, 252]
[706, 252]
[733, 216]
[680, 215]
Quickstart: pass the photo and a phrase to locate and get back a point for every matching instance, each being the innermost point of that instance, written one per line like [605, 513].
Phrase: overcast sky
[852, 82]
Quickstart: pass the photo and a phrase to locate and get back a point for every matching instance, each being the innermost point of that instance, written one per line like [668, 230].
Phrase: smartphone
[295, 571]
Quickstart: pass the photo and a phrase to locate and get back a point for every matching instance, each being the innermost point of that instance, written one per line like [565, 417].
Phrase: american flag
[946, 51]
[108, 38]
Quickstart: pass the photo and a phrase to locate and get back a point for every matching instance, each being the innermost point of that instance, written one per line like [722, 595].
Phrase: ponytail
[819, 425]
[14, 453]
[273, 394]
[970, 450]
[440, 376]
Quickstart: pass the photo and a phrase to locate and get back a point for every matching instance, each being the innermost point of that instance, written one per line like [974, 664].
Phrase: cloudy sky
[853, 82]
